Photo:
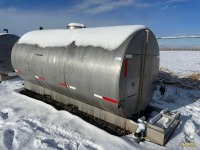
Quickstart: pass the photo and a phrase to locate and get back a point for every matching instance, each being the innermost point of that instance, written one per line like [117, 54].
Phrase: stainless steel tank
[112, 68]
[7, 42]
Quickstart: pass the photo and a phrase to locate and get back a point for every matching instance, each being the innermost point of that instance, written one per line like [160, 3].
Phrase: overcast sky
[164, 17]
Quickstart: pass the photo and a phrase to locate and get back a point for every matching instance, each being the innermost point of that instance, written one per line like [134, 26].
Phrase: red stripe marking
[126, 67]
[41, 78]
[19, 71]
[62, 84]
[110, 100]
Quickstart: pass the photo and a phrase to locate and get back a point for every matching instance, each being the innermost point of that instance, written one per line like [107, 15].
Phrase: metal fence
[180, 54]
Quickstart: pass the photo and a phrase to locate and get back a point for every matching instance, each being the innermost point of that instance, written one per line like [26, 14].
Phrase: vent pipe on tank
[6, 30]
[75, 26]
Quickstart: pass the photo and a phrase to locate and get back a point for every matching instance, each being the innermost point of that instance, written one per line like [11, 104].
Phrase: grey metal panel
[129, 86]
[7, 42]
[92, 71]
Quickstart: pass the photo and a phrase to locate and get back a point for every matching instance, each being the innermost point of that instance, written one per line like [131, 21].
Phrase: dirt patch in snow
[188, 82]
[194, 76]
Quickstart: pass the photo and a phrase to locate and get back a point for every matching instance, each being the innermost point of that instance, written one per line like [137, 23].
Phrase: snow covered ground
[181, 62]
[26, 123]
[187, 102]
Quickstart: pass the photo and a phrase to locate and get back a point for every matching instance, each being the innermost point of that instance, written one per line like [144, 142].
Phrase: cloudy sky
[164, 17]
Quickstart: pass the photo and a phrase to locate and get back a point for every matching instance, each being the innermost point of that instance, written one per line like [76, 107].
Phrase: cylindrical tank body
[7, 42]
[99, 66]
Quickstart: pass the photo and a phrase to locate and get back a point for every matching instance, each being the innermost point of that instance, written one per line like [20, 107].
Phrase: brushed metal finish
[7, 42]
[96, 74]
